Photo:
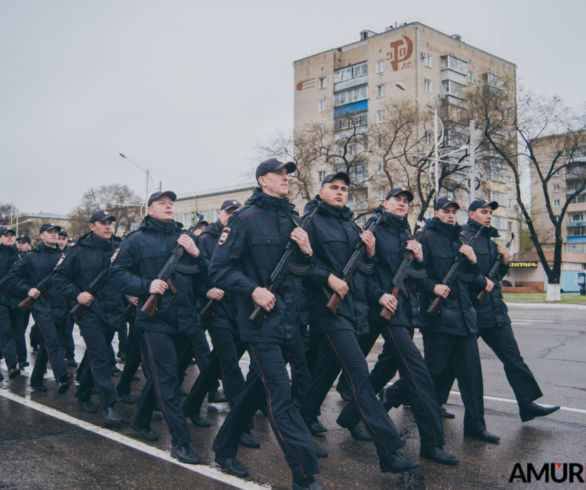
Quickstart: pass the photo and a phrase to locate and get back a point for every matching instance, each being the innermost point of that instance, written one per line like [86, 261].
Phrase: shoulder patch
[224, 236]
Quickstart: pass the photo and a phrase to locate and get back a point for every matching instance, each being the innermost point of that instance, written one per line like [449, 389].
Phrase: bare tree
[305, 149]
[117, 199]
[544, 135]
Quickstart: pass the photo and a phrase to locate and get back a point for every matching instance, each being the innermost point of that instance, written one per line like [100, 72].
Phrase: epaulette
[133, 234]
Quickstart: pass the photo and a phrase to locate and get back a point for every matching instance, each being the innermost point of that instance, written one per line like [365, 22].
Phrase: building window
[321, 105]
[322, 127]
[322, 82]
[453, 63]
[350, 72]
[427, 85]
[470, 77]
[556, 187]
[426, 60]
[380, 90]
[350, 95]
[428, 139]
[321, 175]
[380, 115]
[380, 66]
[556, 203]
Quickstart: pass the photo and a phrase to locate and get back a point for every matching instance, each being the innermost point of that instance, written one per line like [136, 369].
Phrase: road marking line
[203, 470]
[508, 400]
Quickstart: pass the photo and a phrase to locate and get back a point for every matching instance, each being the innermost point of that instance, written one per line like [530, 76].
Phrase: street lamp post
[147, 174]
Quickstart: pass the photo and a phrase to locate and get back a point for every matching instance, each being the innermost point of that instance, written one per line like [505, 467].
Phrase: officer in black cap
[494, 324]
[248, 250]
[47, 309]
[23, 244]
[394, 244]
[449, 337]
[63, 239]
[102, 311]
[334, 235]
[223, 329]
[142, 255]
[10, 316]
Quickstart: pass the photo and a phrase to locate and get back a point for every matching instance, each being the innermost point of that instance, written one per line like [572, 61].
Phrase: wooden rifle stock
[150, 305]
[435, 304]
[77, 311]
[258, 315]
[388, 314]
[495, 267]
[26, 304]
[334, 303]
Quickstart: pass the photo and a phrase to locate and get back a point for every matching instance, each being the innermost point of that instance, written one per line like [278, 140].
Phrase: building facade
[352, 87]
[208, 202]
[568, 151]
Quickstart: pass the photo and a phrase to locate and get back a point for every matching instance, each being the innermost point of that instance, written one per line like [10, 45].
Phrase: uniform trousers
[272, 382]
[419, 387]
[224, 362]
[50, 349]
[340, 350]
[447, 355]
[133, 360]
[161, 350]
[98, 339]
[8, 320]
[503, 343]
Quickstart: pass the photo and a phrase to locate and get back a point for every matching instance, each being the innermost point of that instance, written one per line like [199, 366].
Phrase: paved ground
[45, 442]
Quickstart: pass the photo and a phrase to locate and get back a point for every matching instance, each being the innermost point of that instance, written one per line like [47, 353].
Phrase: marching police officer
[10, 315]
[223, 329]
[22, 279]
[449, 336]
[333, 235]
[248, 250]
[142, 255]
[393, 242]
[102, 310]
[494, 324]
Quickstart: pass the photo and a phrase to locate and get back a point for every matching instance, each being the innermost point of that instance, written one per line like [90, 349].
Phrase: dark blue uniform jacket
[29, 271]
[456, 316]
[8, 257]
[392, 234]
[142, 256]
[492, 311]
[333, 235]
[83, 263]
[248, 250]
[207, 243]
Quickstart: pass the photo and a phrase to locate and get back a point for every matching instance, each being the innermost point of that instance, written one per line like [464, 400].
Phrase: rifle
[452, 271]
[26, 304]
[94, 287]
[350, 268]
[278, 274]
[152, 303]
[495, 267]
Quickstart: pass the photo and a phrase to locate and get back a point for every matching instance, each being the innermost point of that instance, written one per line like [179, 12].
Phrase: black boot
[529, 412]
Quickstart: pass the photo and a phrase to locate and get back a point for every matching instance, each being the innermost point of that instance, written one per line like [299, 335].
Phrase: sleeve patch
[224, 236]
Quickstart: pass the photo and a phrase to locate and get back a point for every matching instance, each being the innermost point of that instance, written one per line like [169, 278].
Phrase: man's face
[334, 193]
[23, 246]
[224, 215]
[275, 184]
[448, 215]
[397, 205]
[482, 215]
[62, 241]
[162, 209]
[50, 237]
[102, 229]
[8, 239]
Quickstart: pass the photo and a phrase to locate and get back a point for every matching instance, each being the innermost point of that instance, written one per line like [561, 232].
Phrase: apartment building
[352, 86]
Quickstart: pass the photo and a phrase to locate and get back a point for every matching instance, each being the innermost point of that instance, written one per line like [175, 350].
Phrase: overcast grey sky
[188, 88]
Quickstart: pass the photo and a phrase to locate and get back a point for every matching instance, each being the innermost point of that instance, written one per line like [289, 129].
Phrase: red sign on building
[401, 51]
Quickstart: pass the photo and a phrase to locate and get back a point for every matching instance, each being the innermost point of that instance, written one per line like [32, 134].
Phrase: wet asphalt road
[38, 450]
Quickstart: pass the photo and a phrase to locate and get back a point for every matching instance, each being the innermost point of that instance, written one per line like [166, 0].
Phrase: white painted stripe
[508, 400]
[203, 470]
